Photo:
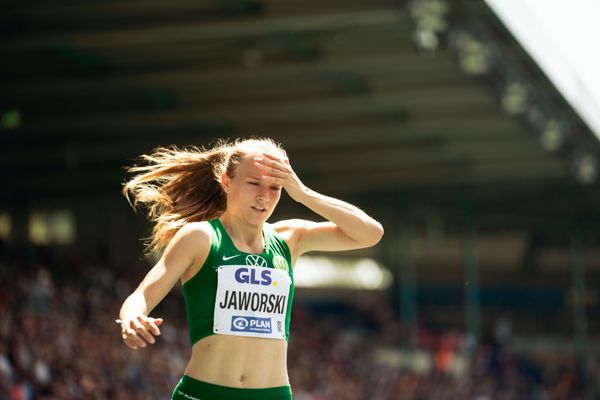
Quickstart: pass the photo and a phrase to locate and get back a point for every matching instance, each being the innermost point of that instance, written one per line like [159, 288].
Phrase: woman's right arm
[190, 245]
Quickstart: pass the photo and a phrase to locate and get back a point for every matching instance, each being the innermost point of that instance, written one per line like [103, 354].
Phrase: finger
[142, 331]
[130, 343]
[145, 335]
[271, 161]
[153, 327]
[283, 161]
[262, 162]
[274, 179]
[269, 155]
[146, 321]
[270, 171]
[273, 168]
[131, 338]
[277, 173]
[149, 323]
[134, 344]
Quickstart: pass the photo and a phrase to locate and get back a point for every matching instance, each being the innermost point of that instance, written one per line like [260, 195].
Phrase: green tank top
[239, 293]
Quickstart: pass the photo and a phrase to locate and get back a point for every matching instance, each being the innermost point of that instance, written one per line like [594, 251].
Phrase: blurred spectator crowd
[58, 340]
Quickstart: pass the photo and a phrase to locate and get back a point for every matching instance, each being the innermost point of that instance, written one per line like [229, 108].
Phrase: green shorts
[189, 388]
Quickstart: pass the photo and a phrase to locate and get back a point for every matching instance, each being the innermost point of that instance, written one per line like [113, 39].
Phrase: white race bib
[251, 301]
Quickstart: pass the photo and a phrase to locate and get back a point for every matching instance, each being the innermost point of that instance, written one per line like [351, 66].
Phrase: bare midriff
[240, 362]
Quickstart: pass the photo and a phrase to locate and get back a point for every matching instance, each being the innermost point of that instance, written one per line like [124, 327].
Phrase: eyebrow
[254, 177]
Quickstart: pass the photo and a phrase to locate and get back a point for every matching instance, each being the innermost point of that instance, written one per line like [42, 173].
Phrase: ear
[225, 181]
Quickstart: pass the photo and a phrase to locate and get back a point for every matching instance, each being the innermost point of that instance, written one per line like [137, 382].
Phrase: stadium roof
[561, 37]
[420, 103]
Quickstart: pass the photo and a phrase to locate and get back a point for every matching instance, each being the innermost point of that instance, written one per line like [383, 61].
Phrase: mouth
[258, 209]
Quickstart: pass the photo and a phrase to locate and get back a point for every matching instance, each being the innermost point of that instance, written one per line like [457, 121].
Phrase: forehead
[247, 168]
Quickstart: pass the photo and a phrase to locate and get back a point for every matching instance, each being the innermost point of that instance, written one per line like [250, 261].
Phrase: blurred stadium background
[440, 118]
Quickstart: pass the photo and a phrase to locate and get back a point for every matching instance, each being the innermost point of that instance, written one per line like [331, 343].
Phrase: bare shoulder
[290, 227]
[188, 249]
[291, 230]
[197, 228]
[193, 239]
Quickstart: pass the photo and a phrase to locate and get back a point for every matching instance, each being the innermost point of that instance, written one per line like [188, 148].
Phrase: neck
[244, 235]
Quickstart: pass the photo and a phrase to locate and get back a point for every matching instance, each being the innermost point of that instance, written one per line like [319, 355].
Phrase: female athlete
[210, 208]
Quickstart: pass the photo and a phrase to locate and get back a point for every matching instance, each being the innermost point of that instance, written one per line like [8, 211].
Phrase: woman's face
[248, 195]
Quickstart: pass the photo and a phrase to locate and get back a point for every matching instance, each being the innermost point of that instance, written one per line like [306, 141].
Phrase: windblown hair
[182, 185]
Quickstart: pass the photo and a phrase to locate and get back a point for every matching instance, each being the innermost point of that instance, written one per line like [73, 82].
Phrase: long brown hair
[182, 185]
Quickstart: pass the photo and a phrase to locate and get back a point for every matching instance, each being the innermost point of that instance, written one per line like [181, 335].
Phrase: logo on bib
[239, 323]
[250, 324]
[255, 261]
[280, 263]
[254, 277]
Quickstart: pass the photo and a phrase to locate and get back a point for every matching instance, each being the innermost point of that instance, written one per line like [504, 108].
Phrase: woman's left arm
[347, 228]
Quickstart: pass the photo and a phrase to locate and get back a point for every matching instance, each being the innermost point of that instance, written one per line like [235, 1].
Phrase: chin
[258, 219]
[255, 220]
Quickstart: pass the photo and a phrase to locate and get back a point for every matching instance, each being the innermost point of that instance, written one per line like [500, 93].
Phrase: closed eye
[253, 183]
[276, 188]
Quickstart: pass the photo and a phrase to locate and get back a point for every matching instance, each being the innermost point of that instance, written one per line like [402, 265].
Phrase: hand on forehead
[252, 167]
[248, 167]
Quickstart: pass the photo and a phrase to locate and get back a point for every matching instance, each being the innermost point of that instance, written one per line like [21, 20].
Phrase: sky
[563, 38]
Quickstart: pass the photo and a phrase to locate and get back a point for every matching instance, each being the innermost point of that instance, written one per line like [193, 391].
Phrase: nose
[263, 194]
